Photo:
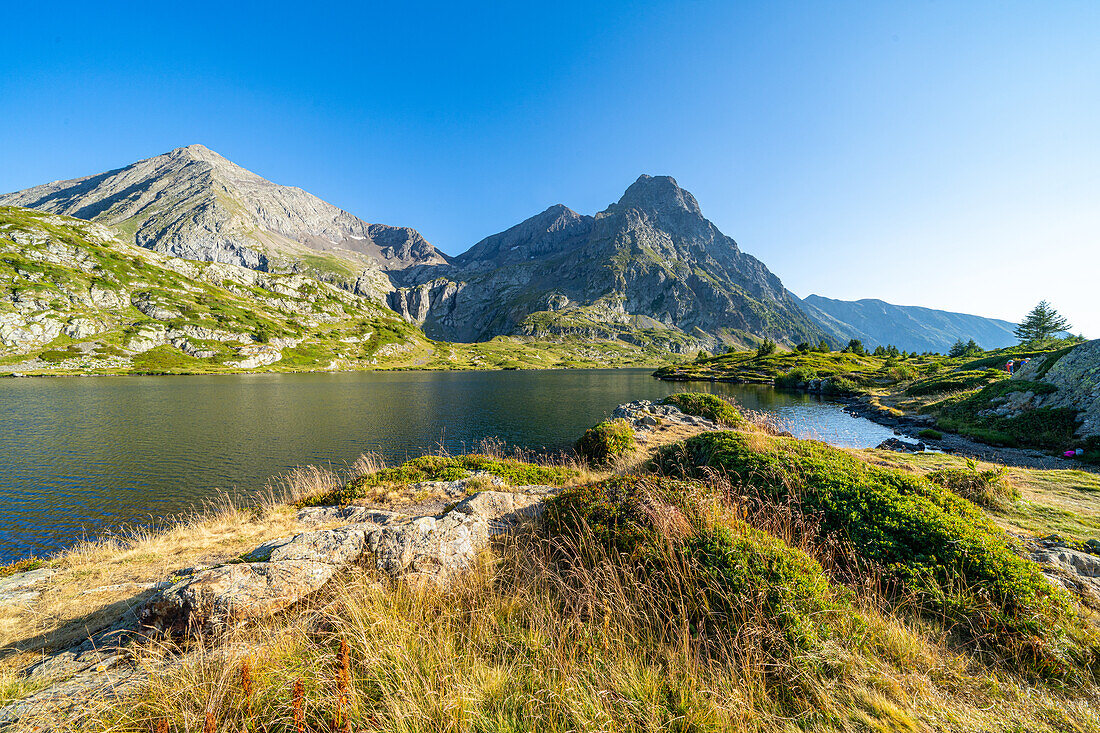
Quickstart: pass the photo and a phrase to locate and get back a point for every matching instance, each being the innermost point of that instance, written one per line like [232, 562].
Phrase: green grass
[843, 373]
[444, 468]
[928, 539]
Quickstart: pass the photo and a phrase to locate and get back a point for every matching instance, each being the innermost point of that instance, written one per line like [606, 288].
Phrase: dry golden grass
[529, 643]
[98, 581]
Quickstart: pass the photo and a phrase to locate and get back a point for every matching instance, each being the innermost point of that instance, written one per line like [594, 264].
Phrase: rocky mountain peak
[192, 202]
[660, 194]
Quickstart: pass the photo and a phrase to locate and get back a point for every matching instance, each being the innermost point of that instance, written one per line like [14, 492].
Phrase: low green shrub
[606, 441]
[674, 527]
[924, 537]
[704, 405]
[841, 386]
[901, 373]
[930, 434]
[795, 378]
[444, 468]
[989, 488]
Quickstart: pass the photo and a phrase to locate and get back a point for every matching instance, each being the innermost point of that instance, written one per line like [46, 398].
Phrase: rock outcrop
[1076, 376]
[429, 548]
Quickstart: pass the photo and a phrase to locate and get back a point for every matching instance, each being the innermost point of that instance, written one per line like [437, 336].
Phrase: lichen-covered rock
[644, 416]
[218, 597]
[1076, 374]
[422, 549]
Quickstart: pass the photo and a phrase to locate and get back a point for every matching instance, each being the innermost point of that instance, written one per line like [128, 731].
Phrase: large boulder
[1076, 374]
[430, 549]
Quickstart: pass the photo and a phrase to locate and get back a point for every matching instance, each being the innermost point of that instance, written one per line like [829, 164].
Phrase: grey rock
[1076, 375]
[214, 599]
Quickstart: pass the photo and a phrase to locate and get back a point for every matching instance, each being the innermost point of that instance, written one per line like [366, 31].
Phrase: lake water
[80, 455]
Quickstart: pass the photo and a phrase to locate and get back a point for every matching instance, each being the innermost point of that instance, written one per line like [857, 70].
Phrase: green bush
[901, 373]
[930, 434]
[841, 386]
[669, 526]
[989, 488]
[606, 441]
[795, 377]
[704, 405]
[924, 537]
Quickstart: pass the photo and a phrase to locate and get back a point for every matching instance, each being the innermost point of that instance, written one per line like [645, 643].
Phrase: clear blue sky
[929, 153]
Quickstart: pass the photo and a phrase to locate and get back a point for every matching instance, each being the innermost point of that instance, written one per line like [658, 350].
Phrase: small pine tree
[766, 347]
[823, 347]
[1041, 324]
[957, 349]
[855, 346]
[972, 348]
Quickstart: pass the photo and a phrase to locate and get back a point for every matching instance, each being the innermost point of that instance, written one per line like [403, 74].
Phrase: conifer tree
[1040, 324]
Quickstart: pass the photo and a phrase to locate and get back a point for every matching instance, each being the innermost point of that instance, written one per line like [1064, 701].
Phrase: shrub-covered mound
[704, 405]
[444, 468]
[605, 441]
[923, 536]
[683, 529]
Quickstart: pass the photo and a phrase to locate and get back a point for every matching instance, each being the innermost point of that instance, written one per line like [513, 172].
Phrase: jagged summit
[657, 193]
[554, 230]
[648, 268]
[193, 202]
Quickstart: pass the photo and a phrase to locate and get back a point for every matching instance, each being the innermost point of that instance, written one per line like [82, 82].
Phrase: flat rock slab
[430, 548]
[217, 597]
[24, 587]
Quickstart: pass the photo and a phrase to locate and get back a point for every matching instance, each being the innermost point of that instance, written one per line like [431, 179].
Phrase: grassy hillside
[76, 300]
[739, 582]
[957, 394]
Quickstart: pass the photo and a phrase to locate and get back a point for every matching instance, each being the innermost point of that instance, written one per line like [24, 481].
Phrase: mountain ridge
[649, 266]
[192, 202]
[909, 327]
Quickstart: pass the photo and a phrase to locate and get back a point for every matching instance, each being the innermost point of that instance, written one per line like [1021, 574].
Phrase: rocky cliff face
[910, 328]
[649, 268]
[193, 203]
[1076, 375]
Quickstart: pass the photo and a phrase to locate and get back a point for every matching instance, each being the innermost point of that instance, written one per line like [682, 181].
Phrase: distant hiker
[1008, 366]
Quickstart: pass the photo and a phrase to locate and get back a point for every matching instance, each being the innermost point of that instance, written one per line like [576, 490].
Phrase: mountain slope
[74, 299]
[193, 203]
[648, 269]
[911, 328]
[78, 299]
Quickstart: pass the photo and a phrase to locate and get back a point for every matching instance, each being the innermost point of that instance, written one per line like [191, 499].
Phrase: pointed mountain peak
[658, 193]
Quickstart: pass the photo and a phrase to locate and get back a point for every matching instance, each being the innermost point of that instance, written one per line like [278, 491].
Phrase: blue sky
[944, 154]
